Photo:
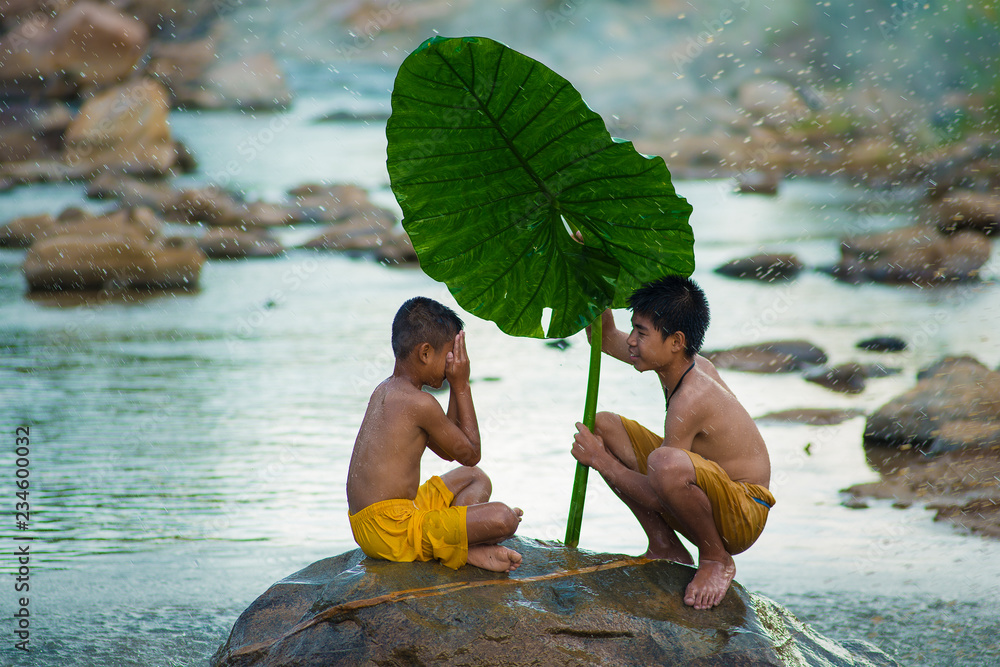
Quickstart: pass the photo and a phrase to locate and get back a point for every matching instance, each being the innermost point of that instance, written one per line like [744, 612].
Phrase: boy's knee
[669, 466]
[509, 520]
[481, 479]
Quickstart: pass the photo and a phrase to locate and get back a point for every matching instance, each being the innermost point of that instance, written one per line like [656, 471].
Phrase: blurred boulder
[268, 214]
[955, 404]
[122, 130]
[215, 206]
[255, 82]
[111, 261]
[767, 267]
[130, 191]
[181, 68]
[209, 204]
[918, 254]
[139, 223]
[87, 45]
[30, 133]
[773, 357]
[814, 416]
[945, 365]
[176, 19]
[964, 209]
[871, 157]
[396, 250]
[562, 607]
[22, 232]
[878, 370]
[846, 378]
[363, 231]
[322, 202]
[882, 344]
[776, 102]
[228, 243]
[758, 182]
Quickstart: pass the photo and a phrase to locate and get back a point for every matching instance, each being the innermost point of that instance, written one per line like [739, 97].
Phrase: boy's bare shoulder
[703, 395]
[402, 398]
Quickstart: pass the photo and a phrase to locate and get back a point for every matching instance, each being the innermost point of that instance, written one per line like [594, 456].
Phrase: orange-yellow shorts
[424, 528]
[739, 509]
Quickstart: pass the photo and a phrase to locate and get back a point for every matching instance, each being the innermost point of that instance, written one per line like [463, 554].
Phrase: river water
[189, 449]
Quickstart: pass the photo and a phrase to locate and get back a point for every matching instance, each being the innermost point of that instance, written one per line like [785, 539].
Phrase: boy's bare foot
[710, 583]
[676, 554]
[494, 557]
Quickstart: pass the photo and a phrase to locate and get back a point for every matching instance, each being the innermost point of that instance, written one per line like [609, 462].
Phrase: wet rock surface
[122, 129]
[961, 486]
[767, 267]
[966, 209]
[920, 254]
[782, 356]
[236, 229]
[254, 82]
[939, 444]
[954, 405]
[815, 416]
[228, 243]
[110, 261]
[561, 607]
[85, 44]
[882, 344]
[846, 378]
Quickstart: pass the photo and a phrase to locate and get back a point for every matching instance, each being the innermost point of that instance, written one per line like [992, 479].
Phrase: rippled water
[190, 449]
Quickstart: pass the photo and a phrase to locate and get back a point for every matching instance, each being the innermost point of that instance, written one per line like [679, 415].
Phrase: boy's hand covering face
[456, 367]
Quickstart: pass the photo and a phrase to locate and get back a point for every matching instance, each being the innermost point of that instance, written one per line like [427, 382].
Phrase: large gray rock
[561, 607]
[954, 405]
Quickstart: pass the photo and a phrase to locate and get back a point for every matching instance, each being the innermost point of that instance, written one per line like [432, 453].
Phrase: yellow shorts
[738, 508]
[424, 528]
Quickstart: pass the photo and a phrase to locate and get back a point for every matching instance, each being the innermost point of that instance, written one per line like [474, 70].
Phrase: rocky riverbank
[961, 487]
[87, 88]
[938, 445]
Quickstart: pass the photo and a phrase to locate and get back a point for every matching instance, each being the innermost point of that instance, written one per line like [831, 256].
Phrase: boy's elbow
[471, 456]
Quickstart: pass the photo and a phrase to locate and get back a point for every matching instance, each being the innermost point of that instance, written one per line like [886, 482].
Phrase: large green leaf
[495, 159]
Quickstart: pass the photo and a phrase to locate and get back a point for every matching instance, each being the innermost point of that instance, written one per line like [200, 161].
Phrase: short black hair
[423, 320]
[674, 303]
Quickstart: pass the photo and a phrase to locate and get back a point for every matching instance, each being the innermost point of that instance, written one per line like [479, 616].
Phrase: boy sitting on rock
[707, 477]
[447, 518]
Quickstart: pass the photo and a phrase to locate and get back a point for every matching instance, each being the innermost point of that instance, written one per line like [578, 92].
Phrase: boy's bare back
[707, 418]
[390, 443]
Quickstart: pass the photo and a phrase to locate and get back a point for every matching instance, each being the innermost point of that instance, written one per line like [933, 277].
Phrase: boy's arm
[589, 450]
[682, 426]
[455, 436]
[613, 341]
